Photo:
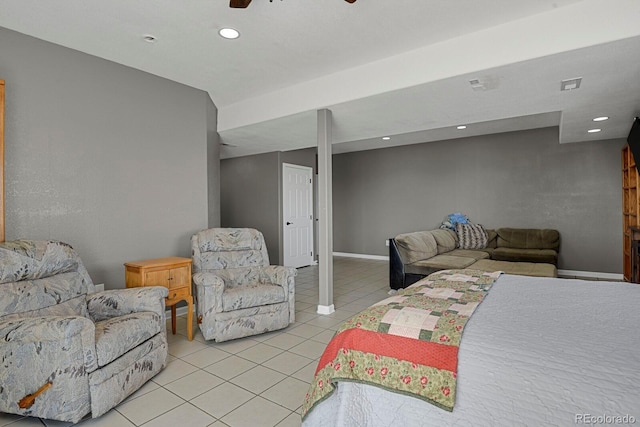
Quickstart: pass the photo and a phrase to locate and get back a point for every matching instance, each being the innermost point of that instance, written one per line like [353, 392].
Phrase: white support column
[325, 214]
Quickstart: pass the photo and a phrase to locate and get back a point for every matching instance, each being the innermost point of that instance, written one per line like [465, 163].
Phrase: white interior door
[297, 190]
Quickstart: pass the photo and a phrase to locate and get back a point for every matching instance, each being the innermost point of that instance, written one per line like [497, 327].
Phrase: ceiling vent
[476, 84]
[571, 84]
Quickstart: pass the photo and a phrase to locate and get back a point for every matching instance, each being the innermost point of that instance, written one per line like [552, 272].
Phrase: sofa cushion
[224, 248]
[118, 335]
[249, 321]
[416, 246]
[73, 307]
[437, 263]
[229, 239]
[471, 236]
[446, 239]
[528, 238]
[232, 259]
[492, 238]
[444, 262]
[35, 259]
[525, 255]
[38, 295]
[470, 253]
[249, 295]
[521, 268]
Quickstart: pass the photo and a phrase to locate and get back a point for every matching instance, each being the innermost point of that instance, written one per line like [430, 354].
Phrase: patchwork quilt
[407, 343]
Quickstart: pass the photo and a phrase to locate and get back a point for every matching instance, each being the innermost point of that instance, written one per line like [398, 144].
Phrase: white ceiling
[383, 67]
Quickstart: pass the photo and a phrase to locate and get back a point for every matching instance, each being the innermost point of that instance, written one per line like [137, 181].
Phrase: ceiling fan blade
[241, 4]
[350, 1]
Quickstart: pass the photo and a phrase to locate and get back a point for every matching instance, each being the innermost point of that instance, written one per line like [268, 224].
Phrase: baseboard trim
[590, 275]
[573, 273]
[363, 256]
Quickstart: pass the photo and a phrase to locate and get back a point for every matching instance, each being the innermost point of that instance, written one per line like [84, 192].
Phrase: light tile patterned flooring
[249, 382]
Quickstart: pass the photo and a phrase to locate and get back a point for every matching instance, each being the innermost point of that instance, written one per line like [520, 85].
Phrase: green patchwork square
[425, 335]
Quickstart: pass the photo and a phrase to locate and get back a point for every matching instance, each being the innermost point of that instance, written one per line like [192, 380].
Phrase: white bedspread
[537, 352]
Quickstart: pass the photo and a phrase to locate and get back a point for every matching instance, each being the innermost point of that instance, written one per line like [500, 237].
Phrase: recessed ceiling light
[461, 127]
[594, 130]
[601, 119]
[386, 138]
[149, 38]
[229, 33]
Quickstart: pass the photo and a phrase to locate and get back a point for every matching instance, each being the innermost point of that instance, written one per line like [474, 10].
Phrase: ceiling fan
[241, 4]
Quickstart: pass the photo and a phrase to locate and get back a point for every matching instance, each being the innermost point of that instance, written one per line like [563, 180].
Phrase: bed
[536, 352]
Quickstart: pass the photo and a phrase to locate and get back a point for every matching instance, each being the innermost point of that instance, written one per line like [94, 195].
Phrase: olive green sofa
[525, 251]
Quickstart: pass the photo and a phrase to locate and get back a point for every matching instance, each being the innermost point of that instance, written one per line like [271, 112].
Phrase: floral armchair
[238, 293]
[65, 350]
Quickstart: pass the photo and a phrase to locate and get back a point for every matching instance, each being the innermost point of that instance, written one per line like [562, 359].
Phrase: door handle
[289, 223]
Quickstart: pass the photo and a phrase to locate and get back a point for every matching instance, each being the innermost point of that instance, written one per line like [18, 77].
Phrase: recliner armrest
[52, 330]
[118, 302]
[205, 278]
[56, 352]
[209, 289]
[285, 277]
[278, 275]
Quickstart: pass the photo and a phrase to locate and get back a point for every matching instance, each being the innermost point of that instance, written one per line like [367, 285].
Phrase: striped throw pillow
[471, 236]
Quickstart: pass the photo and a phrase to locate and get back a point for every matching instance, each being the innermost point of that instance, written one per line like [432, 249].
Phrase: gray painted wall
[516, 179]
[250, 197]
[251, 193]
[107, 158]
[304, 157]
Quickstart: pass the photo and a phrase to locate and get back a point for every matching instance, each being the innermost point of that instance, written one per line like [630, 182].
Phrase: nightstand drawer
[178, 293]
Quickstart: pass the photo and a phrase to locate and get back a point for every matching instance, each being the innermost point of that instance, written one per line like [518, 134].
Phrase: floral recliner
[66, 351]
[238, 293]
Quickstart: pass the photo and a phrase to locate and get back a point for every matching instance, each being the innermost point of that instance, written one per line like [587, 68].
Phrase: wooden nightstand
[173, 273]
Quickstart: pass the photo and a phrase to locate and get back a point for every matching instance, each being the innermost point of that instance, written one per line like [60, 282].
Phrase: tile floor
[249, 382]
